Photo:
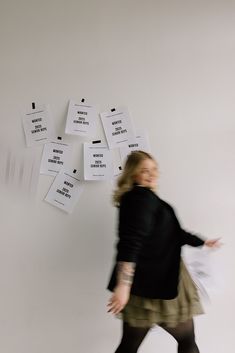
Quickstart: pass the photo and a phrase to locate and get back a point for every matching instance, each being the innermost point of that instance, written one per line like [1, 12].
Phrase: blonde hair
[126, 179]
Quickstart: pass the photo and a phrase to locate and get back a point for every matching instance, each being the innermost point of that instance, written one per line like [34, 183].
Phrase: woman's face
[147, 174]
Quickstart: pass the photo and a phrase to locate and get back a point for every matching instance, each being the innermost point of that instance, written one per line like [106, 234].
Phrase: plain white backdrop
[172, 64]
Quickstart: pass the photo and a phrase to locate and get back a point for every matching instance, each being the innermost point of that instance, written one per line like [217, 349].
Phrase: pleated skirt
[146, 312]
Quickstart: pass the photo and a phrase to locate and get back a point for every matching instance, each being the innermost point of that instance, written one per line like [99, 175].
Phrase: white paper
[198, 263]
[117, 172]
[38, 126]
[56, 155]
[65, 190]
[81, 119]
[98, 163]
[118, 127]
[139, 143]
[117, 164]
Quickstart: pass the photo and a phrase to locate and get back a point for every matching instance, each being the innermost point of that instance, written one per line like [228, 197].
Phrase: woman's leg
[131, 338]
[184, 335]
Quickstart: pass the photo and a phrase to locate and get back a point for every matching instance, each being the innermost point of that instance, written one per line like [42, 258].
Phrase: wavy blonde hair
[126, 179]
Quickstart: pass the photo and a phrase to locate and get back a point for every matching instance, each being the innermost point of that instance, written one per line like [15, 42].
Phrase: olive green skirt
[146, 312]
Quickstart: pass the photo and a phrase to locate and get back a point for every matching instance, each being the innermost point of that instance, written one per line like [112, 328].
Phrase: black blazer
[150, 235]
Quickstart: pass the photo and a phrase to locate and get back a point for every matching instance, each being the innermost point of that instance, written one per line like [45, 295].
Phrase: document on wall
[117, 164]
[116, 174]
[98, 163]
[56, 155]
[118, 127]
[81, 118]
[139, 143]
[65, 190]
[38, 126]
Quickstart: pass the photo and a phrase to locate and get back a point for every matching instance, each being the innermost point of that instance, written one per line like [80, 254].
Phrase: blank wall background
[172, 64]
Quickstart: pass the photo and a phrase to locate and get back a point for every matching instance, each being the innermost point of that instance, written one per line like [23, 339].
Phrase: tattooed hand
[120, 297]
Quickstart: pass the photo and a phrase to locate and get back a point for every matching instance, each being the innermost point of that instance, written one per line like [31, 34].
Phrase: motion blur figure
[150, 283]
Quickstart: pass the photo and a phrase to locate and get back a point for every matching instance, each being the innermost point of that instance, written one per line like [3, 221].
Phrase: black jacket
[150, 235]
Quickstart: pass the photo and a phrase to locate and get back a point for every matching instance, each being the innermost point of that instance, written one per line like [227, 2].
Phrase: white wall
[172, 63]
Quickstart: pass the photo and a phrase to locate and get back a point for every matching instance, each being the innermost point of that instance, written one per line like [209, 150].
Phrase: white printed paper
[117, 166]
[81, 119]
[98, 163]
[117, 172]
[118, 127]
[56, 155]
[38, 126]
[198, 262]
[139, 143]
[65, 190]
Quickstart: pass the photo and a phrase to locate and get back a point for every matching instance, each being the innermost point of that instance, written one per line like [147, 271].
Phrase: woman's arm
[191, 239]
[121, 294]
[134, 225]
[125, 272]
[195, 240]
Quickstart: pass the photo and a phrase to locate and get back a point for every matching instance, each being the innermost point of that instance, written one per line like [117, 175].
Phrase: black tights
[183, 333]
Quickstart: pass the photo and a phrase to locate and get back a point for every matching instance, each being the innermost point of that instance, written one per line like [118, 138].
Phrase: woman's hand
[119, 298]
[213, 243]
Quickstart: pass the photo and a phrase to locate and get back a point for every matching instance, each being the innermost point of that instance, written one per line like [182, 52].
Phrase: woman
[150, 283]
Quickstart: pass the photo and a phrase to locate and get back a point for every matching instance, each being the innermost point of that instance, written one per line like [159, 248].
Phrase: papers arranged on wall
[118, 127]
[65, 190]
[56, 155]
[38, 126]
[81, 119]
[98, 163]
[102, 161]
[139, 143]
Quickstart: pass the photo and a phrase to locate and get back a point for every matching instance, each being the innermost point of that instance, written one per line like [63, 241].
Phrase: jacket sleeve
[136, 217]
[188, 238]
